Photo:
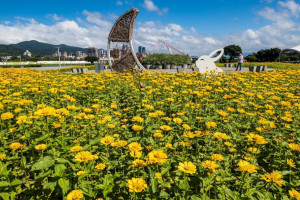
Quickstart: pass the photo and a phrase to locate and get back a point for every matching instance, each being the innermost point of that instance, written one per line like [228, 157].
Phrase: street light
[20, 60]
[58, 57]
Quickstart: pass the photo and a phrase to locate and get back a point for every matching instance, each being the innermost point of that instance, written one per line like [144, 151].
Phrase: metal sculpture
[122, 31]
[207, 63]
[295, 49]
[169, 49]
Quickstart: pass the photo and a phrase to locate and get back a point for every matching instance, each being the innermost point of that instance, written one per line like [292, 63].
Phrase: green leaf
[153, 185]
[64, 184]
[50, 185]
[134, 139]
[5, 196]
[43, 163]
[41, 138]
[60, 169]
[4, 184]
[194, 197]
[164, 195]
[16, 182]
[184, 185]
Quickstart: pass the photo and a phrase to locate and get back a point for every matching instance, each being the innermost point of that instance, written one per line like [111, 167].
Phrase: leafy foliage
[165, 59]
[232, 51]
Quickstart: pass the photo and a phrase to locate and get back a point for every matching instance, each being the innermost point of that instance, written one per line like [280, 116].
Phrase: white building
[27, 53]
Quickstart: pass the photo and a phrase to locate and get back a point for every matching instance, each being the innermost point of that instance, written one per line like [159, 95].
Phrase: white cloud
[292, 6]
[30, 20]
[96, 18]
[282, 30]
[119, 3]
[150, 6]
[54, 17]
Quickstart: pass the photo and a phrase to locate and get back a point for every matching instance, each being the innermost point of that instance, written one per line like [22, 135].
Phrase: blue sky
[195, 27]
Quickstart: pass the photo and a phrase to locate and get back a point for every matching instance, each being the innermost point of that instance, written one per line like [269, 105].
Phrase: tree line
[264, 55]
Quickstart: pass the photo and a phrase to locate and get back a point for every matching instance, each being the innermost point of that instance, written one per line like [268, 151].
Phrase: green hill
[36, 48]
[9, 50]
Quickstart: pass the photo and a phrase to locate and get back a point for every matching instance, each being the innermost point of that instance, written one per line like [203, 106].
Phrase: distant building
[92, 51]
[27, 53]
[102, 53]
[78, 53]
[56, 54]
[141, 50]
[65, 54]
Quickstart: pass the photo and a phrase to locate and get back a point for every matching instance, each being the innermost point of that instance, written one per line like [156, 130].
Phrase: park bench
[258, 68]
[79, 70]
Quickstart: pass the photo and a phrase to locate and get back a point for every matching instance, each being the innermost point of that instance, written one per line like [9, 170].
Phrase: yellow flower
[137, 128]
[7, 115]
[245, 166]
[135, 146]
[137, 119]
[75, 195]
[221, 136]
[56, 124]
[2, 156]
[111, 126]
[256, 138]
[85, 156]
[222, 113]
[158, 175]
[217, 157]
[136, 185]
[135, 154]
[47, 111]
[21, 119]
[169, 145]
[291, 163]
[53, 90]
[294, 147]
[76, 148]
[80, 173]
[211, 124]
[295, 194]
[253, 150]
[139, 163]
[41, 147]
[107, 140]
[165, 128]
[274, 177]
[211, 165]
[228, 144]
[15, 146]
[177, 120]
[157, 157]
[186, 126]
[187, 167]
[119, 143]
[100, 166]
[158, 135]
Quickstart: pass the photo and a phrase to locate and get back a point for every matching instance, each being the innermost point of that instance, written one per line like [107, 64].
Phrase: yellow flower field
[149, 135]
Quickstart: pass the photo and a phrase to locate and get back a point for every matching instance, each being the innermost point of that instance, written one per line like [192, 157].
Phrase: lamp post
[20, 60]
[58, 57]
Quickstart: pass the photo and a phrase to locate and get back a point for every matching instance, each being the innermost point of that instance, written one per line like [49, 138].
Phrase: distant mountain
[36, 48]
[10, 50]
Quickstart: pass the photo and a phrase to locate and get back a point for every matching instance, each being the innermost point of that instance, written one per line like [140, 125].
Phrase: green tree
[251, 58]
[232, 51]
[268, 55]
[91, 59]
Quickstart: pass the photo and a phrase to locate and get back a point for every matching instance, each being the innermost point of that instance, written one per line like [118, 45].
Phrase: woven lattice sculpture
[122, 32]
